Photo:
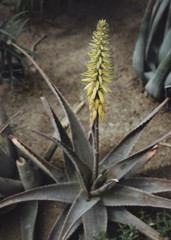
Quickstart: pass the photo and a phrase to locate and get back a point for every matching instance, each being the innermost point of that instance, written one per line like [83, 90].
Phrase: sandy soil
[62, 55]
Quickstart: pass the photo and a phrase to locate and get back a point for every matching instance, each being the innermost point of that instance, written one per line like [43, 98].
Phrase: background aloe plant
[94, 192]
[12, 63]
[52, 8]
[152, 54]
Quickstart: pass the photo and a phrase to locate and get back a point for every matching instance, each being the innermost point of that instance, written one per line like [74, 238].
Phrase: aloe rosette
[94, 196]
[16, 175]
[152, 53]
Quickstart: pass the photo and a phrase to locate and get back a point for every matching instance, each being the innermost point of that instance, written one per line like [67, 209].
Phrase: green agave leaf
[167, 82]
[62, 192]
[141, 162]
[165, 47]
[81, 144]
[153, 28]
[29, 210]
[27, 174]
[69, 167]
[5, 130]
[56, 174]
[28, 214]
[95, 221]
[10, 186]
[7, 34]
[59, 223]
[20, 28]
[55, 231]
[155, 86]
[12, 19]
[168, 21]
[121, 195]
[151, 185]
[125, 146]
[83, 171]
[139, 51]
[130, 165]
[121, 215]
[79, 207]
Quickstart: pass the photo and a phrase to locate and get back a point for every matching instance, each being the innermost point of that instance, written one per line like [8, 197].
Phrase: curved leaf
[62, 192]
[165, 46]
[83, 171]
[130, 165]
[59, 223]
[28, 211]
[28, 214]
[10, 186]
[79, 207]
[155, 86]
[125, 146]
[56, 174]
[121, 195]
[153, 28]
[151, 185]
[95, 221]
[139, 51]
[69, 167]
[140, 159]
[121, 215]
[81, 144]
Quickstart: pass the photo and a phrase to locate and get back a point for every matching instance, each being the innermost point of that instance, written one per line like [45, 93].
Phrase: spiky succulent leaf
[79, 207]
[147, 184]
[138, 62]
[83, 171]
[154, 26]
[122, 195]
[95, 221]
[59, 129]
[28, 215]
[124, 148]
[62, 192]
[59, 223]
[28, 211]
[52, 171]
[122, 215]
[10, 186]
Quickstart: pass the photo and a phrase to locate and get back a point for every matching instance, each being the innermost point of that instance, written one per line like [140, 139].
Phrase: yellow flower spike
[99, 70]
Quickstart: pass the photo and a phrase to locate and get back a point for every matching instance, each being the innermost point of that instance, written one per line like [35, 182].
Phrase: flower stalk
[99, 73]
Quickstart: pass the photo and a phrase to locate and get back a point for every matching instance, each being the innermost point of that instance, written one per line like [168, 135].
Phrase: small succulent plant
[152, 54]
[94, 192]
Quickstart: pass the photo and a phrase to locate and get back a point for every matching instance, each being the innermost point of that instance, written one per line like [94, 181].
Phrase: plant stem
[96, 146]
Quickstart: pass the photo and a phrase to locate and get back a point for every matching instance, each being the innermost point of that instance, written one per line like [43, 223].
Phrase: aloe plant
[16, 175]
[94, 192]
[13, 64]
[152, 53]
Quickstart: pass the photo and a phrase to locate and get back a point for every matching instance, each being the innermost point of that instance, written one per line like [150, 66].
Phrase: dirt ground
[62, 55]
